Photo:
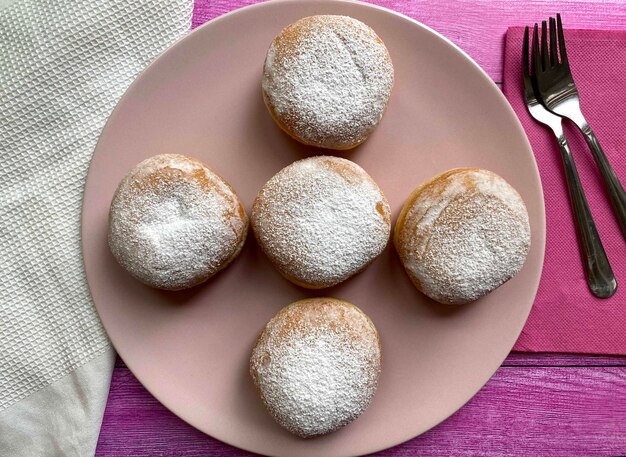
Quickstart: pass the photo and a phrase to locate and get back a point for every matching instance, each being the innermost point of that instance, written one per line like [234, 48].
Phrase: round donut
[320, 220]
[327, 81]
[316, 365]
[174, 223]
[462, 234]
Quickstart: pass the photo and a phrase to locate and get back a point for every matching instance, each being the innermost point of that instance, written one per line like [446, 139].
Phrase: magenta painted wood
[525, 411]
[535, 405]
[477, 26]
[523, 359]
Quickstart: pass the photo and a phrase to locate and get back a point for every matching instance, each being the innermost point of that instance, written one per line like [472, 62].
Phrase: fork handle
[616, 192]
[600, 277]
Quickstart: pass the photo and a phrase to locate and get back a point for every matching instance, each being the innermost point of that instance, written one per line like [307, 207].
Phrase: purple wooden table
[536, 404]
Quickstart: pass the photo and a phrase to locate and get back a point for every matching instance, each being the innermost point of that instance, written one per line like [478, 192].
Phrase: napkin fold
[566, 317]
[63, 66]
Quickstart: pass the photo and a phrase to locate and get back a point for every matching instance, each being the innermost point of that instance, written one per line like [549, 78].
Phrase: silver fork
[559, 94]
[600, 277]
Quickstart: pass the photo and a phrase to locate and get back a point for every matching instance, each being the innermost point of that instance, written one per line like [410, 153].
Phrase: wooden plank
[526, 359]
[477, 26]
[529, 411]
[521, 359]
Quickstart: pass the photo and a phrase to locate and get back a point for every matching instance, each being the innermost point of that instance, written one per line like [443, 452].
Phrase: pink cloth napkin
[565, 316]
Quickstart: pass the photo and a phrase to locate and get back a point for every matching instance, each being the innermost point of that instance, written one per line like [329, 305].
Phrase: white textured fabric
[61, 420]
[63, 66]
[5, 3]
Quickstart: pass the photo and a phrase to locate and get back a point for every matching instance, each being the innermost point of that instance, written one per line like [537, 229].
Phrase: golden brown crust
[303, 314]
[154, 177]
[443, 211]
[434, 187]
[351, 174]
[313, 312]
[287, 126]
[313, 318]
[295, 40]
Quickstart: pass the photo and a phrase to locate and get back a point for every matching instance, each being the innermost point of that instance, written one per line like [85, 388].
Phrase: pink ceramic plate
[191, 349]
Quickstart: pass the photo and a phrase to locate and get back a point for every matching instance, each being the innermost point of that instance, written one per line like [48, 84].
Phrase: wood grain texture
[523, 359]
[522, 411]
[536, 404]
[477, 26]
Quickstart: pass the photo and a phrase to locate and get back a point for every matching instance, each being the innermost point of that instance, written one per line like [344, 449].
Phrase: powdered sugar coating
[463, 234]
[316, 365]
[174, 223]
[327, 80]
[320, 220]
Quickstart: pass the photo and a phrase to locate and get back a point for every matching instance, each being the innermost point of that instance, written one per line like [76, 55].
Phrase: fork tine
[535, 65]
[553, 54]
[561, 39]
[545, 56]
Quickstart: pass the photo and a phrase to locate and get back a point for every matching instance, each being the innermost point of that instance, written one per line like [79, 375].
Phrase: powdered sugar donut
[462, 234]
[320, 220]
[174, 223]
[316, 365]
[327, 81]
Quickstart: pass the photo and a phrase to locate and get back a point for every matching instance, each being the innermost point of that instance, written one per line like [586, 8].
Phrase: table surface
[535, 404]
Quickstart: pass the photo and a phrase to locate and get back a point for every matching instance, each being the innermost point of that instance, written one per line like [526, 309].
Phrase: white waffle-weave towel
[63, 66]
